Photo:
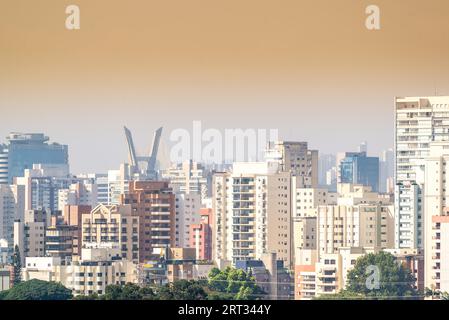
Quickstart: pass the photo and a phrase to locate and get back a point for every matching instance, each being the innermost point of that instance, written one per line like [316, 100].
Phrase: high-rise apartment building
[201, 235]
[72, 217]
[29, 233]
[363, 225]
[306, 200]
[153, 202]
[25, 149]
[296, 158]
[83, 193]
[61, 240]
[114, 225]
[252, 213]
[189, 177]
[4, 164]
[189, 182]
[118, 183]
[328, 240]
[361, 218]
[42, 184]
[188, 207]
[436, 216]
[101, 182]
[11, 209]
[419, 121]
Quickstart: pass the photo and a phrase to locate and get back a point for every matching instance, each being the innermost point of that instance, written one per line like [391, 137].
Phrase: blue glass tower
[26, 149]
[357, 168]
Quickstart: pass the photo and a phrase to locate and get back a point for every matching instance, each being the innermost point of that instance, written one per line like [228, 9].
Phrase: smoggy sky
[309, 68]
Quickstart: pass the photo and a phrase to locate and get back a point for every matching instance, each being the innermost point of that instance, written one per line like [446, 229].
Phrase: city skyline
[164, 149]
[306, 68]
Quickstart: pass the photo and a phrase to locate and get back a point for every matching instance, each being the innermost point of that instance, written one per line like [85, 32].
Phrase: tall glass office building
[357, 168]
[25, 149]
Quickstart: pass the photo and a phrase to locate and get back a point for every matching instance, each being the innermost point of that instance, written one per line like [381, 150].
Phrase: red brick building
[154, 203]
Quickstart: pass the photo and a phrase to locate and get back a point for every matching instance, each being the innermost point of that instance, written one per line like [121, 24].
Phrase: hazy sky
[309, 68]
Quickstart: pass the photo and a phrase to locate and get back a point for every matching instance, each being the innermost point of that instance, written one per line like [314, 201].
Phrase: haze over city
[309, 69]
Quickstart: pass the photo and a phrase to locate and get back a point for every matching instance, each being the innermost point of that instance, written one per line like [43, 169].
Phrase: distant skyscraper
[101, 180]
[25, 149]
[325, 163]
[357, 168]
[363, 147]
[386, 167]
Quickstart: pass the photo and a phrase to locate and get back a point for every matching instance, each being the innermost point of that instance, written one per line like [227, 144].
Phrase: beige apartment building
[92, 273]
[329, 239]
[252, 206]
[436, 213]
[363, 225]
[361, 218]
[112, 224]
[326, 274]
[306, 200]
[419, 122]
[29, 234]
[437, 267]
[305, 232]
[5, 278]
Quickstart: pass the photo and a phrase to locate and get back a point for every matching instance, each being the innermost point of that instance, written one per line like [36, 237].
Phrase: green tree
[17, 266]
[218, 280]
[342, 295]
[436, 294]
[233, 283]
[183, 290]
[395, 280]
[92, 296]
[37, 290]
[129, 291]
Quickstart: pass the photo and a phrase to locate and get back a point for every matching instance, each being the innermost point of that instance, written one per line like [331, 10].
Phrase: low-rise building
[270, 275]
[412, 259]
[327, 274]
[92, 273]
[5, 278]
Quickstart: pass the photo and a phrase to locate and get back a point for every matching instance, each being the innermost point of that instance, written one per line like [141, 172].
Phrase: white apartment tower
[419, 121]
[252, 213]
[189, 177]
[188, 207]
[11, 209]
